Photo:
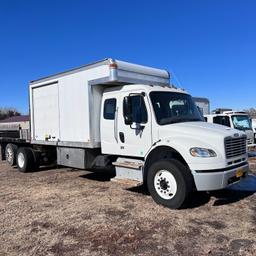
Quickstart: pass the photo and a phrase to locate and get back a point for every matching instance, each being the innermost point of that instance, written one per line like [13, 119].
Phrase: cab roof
[146, 88]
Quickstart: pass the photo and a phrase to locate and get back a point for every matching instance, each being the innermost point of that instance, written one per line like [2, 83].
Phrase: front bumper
[218, 179]
[251, 145]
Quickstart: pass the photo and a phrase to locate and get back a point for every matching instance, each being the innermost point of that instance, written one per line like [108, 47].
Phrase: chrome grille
[235, 146]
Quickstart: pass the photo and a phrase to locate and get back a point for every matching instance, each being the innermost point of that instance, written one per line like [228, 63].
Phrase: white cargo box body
[65, 108]
[203, 104]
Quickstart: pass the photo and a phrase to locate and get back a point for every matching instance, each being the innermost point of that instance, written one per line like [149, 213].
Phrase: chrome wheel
[165, 184]
[21, 160]
[9, 154]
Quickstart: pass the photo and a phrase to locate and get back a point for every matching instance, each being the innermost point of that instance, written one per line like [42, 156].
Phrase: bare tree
[8, 112]
[251, 112]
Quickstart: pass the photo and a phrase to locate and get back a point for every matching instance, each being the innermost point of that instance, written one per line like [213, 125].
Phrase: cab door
[108, 127]
[134, 138]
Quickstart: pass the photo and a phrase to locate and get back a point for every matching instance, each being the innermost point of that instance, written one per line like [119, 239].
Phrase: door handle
[121, 136]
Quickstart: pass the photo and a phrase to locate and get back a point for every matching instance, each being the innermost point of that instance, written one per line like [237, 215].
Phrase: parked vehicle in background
[234, 119]
[203, 104]
[15, 127]
[254, 129]
[115, 113]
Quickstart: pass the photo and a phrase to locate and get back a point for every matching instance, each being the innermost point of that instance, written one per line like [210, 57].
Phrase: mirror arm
[140, 127]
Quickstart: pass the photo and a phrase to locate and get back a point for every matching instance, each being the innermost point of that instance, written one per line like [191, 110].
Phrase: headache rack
[235, 146]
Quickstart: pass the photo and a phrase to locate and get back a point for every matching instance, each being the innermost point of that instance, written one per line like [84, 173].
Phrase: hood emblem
[236, 135]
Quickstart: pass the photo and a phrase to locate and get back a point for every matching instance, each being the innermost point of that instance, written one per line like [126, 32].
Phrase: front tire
[169, 183]
[25, 159]
[10, 153]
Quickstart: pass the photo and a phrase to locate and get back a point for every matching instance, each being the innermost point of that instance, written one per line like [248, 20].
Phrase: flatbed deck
[13, 140]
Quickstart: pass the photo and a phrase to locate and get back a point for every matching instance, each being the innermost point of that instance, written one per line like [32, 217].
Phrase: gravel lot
[72, 212]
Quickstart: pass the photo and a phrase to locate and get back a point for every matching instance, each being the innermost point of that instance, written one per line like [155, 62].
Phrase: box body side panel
[62, 108]
[46, 112]
[77, 101]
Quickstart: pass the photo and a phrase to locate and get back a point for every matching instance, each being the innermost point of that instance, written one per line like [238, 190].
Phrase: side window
[109, 109]
[224, 120]
[139, 110]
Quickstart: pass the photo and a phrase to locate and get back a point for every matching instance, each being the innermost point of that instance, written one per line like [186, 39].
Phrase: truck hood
[184, 136]
[198, 130]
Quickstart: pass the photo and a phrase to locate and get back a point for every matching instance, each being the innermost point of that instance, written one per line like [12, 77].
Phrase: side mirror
[127, 109]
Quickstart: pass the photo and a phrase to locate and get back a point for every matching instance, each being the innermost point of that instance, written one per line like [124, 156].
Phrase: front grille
[235, 146]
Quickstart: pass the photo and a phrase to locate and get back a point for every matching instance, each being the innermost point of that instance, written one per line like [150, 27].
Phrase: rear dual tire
[10, 153]
[27, 160]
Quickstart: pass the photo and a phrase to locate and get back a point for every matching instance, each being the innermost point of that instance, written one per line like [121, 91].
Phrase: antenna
[176, 78]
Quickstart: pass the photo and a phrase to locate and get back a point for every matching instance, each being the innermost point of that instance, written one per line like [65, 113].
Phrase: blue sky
[209, 45]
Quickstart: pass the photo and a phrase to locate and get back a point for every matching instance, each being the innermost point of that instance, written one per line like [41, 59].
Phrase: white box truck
[203, 104]
[239, 120]
[114, 113]
[254, 129]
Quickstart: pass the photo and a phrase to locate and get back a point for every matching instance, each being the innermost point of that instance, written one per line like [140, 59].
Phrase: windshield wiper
[247, 128]
[240, 127]
[177, 120]
[194, 120]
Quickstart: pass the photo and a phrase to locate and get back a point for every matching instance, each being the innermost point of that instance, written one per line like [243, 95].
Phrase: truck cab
[162, 127]
[235, 119]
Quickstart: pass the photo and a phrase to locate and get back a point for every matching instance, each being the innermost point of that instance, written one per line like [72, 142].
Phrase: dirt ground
[72, 212]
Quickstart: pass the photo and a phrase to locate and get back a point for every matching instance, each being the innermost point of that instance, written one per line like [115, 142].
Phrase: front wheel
[169, 183]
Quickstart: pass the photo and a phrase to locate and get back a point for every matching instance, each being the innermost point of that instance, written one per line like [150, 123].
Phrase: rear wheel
[10, 153]
[169, 183]
[25, 159]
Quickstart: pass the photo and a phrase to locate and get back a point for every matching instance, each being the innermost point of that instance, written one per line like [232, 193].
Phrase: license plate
[239, 173]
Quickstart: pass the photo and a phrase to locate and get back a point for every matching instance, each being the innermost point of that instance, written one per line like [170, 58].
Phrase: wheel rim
[21, 160]
[165, 184]
[9, 154]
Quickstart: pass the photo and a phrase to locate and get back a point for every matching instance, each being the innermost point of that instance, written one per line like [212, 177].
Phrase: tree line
[8, 112]
[251, 112]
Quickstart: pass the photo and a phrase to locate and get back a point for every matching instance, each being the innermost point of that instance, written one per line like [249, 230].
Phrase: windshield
[241, 122]
[172, 107]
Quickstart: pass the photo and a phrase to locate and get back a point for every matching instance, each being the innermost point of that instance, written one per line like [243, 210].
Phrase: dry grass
[70, 212]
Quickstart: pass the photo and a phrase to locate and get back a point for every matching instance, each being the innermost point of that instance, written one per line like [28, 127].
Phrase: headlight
[202, 152]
